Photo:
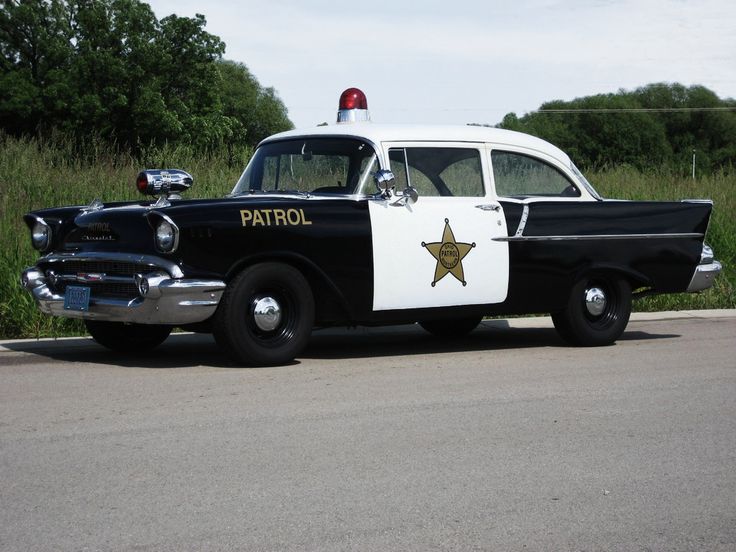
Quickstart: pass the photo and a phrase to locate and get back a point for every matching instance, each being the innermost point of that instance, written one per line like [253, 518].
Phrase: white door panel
[438, 252]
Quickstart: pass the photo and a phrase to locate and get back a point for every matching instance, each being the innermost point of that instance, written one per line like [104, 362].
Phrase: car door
[440, 250]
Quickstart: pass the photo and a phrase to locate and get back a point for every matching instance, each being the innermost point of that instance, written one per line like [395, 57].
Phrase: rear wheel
[597, 311]
[453, 328]
[127, 338]
[265, 316]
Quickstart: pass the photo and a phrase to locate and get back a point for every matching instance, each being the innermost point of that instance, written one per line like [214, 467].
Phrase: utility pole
[693, 164]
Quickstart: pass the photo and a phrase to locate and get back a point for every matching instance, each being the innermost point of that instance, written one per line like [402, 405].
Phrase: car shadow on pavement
[185, 350]
[495, 335]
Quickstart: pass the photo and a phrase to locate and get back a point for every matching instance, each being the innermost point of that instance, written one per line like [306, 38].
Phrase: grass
[629, 183]
[36, 174]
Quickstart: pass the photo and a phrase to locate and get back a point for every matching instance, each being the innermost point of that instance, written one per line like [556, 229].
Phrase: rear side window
[438, 171]
[520, 176]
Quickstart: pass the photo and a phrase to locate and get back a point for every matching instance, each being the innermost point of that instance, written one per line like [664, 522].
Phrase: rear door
[439, 251]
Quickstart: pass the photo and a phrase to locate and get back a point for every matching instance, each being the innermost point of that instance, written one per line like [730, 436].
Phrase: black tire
[451, 329]
[127, 338]
[579, 326]
[239, 331]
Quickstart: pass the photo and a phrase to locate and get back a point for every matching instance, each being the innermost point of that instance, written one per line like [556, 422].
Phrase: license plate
[76, 298]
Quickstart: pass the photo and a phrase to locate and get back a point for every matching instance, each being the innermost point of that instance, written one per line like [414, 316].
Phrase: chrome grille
[116, 278]
[117, 268]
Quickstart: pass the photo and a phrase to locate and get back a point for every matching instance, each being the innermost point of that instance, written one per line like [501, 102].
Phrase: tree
[650, 126]
[109, 68]
[257, 112]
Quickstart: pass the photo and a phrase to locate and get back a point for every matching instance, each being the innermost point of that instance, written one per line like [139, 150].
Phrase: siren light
[353, 106]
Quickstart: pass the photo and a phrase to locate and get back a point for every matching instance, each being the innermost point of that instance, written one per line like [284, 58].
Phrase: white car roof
[378, 133]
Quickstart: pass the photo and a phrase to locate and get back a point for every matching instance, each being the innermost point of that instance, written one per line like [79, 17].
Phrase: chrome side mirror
[385, 181]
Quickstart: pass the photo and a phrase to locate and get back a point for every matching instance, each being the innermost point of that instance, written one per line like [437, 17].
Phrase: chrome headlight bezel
[166, 235]
[41, 235]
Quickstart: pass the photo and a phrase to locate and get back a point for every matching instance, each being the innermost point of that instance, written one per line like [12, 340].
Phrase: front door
[439, 251]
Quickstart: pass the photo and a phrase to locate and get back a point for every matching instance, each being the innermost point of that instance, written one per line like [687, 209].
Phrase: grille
[116, 268]
[125, 290]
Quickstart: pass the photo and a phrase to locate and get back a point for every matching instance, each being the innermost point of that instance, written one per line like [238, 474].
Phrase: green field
[34, 175]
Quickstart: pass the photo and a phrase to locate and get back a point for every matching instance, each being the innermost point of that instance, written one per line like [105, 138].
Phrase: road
[377, 440]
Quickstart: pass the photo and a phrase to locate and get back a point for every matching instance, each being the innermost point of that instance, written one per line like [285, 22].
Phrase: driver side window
[438, 171]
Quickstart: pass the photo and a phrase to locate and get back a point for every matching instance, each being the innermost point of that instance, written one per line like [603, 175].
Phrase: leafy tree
[257, 111]
[607, 129]
[109, 68]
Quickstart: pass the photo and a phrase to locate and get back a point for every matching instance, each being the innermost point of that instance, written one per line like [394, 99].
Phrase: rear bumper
[170, 301]
[703, 276]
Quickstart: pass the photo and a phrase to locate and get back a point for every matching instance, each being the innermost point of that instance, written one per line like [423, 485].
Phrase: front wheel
[127, 338]
[265, 316]
[597, 311]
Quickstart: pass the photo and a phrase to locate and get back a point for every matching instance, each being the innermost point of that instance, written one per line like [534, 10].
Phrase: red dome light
[353, 98]
[353, 107]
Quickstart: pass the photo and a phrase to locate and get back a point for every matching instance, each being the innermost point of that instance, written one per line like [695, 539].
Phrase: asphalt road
[380, 440]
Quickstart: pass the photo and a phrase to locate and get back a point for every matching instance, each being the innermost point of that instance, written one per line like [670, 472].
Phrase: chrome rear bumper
[705, 273]
[703, 276]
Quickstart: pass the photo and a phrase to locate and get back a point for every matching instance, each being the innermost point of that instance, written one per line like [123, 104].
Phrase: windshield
[312, 165]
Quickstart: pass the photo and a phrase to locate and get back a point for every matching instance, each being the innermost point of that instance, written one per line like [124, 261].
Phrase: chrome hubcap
[267, 314]
[595, 301]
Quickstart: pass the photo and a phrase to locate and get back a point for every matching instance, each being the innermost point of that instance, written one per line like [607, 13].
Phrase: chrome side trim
[706, 201]
[600, 237]
[150, 260]
[522, 221]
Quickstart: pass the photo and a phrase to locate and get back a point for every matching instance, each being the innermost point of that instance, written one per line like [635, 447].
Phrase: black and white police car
[366, 224]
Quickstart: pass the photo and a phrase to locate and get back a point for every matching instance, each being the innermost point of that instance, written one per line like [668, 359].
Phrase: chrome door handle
[489, 207]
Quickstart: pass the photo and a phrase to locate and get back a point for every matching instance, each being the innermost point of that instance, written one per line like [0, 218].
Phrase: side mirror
[385, 180]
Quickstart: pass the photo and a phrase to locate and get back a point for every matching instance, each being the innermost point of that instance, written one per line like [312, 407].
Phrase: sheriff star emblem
[449, 254]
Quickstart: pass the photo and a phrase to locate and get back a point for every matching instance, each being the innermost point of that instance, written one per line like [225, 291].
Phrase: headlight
[41, 235]
[167, 236]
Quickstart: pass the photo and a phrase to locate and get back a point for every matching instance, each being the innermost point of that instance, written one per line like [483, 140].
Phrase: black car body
[369, 224]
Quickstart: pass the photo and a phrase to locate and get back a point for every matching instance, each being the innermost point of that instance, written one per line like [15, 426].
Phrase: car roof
[378, 133]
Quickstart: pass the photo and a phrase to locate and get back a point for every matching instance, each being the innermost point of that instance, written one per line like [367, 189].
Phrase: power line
[636, 110]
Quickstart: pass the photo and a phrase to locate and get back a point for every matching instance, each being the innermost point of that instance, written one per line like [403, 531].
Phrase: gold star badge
[449, 254]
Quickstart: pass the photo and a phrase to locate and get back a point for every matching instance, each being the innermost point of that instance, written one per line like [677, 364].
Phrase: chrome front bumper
[706, 272]
[170, 301]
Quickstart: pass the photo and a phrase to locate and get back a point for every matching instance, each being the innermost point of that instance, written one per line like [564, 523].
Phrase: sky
[463, 61]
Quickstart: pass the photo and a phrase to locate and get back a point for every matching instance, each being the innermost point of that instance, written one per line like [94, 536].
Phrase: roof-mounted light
[353, 107]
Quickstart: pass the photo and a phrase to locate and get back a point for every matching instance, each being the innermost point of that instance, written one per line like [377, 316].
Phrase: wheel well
[635, 278]
[329, 303]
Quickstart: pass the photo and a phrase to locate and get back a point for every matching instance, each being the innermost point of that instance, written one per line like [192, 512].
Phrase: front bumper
[170, 301]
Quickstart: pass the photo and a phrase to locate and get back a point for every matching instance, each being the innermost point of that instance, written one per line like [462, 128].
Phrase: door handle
[489, 207]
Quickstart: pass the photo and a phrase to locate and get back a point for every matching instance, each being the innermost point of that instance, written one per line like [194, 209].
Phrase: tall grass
[37, 174]
[663, 184]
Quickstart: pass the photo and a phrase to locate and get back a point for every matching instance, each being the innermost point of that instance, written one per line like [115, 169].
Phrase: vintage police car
[361, 223]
